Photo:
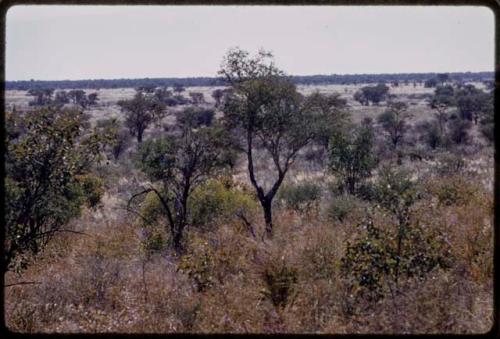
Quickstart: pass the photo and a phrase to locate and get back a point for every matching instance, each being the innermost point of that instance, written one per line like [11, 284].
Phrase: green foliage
[330, 115]
[156, 238]
[47, 165]
[272, 115]
[157, 158]
[220, 201]
[179, 165]
[92, 189]
[140, 112]
[374, 94]
[472, 103]
[195, 117]
[394, 122]
[430, 134]
[341, 207]
[378, 257]
[458, 130]
[455, 189]
[352, 157]
[301, 197]
[199, 265]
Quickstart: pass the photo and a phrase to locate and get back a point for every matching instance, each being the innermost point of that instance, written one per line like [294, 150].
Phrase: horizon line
[218, 77]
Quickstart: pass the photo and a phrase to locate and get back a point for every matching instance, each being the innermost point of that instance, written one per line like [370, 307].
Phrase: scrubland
[122, 276]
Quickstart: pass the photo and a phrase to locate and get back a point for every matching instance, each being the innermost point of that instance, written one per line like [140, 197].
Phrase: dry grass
[104, 282]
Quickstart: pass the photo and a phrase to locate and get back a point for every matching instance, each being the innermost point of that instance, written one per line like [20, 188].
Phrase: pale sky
[105, 42]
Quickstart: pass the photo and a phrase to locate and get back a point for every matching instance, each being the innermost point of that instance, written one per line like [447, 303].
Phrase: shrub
[430, 134]
[199, 265]
[300, 197]
[453, 190]
[343, 206]
[351, 157]
[379, 258]
[458, 130]
[92, 189]
[220, 201]
[155, 237]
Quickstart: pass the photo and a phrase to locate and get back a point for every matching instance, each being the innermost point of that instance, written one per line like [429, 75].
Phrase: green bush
[300, 197]
[219, 201]
[380, 258]
[343, 206]
[453, 190]
[92, 189]
[156, 238]
[199, 265]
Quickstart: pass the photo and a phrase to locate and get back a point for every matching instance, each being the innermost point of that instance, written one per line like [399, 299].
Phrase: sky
[107, 42]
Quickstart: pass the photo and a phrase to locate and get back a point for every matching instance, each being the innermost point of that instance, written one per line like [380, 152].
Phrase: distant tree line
[404, 78]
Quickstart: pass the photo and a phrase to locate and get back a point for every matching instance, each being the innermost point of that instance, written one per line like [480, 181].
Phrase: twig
[247, 223]
[23, 283]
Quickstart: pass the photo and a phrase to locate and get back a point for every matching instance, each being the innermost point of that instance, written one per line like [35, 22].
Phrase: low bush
[341, 207]
[453, 190]
[301, 197]
[152, 220]
[379, 258]
[220, 201]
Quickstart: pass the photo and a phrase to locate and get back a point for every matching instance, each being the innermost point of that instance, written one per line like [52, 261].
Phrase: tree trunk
[268, 216]
[139, 136]
[177, 241]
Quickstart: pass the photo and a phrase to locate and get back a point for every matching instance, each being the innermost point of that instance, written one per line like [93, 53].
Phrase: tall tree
[270, 115]
[139, 114]
[394, 122]
[442, 100]
[352, 157]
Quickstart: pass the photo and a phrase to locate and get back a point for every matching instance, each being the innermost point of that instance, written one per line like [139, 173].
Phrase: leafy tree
[217, 95]
[374, 94]
[472, 103]
[43, 97]
[442, 100]
[352, 157]
[196, 117]
[61, 98]
[197, 98]
[432, 82]
[178, 88]
[177, 165]
[458, 130]
[139, 114]
[118, 137]
[394, 122]
[78, 97]
[47, 164]
[92, 99]
[266, 110]
[360, 97]
[487, 121]
[430, 134]
[331, 113]
[443, 77]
